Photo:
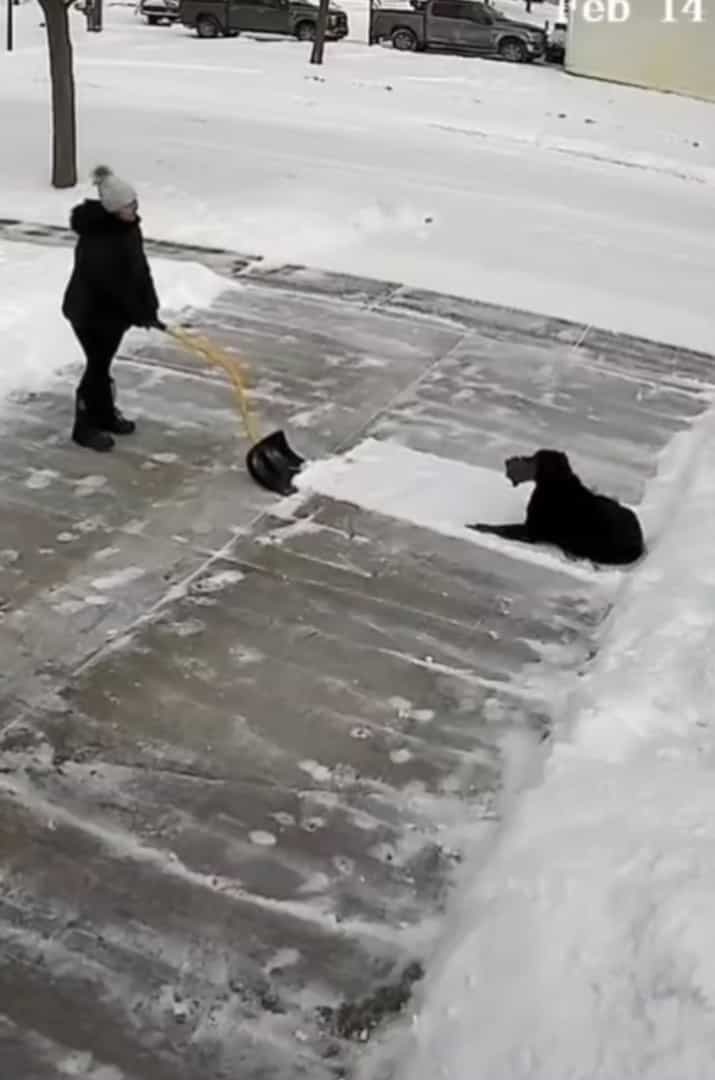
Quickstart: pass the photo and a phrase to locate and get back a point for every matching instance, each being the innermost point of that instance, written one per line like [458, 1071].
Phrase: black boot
[117, 423]
[86, 433]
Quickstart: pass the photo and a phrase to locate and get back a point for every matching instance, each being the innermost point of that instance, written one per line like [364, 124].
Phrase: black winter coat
[111, 281]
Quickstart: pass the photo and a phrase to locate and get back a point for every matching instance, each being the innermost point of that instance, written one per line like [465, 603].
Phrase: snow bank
[184, 285]
[37, 341]
[585, 947]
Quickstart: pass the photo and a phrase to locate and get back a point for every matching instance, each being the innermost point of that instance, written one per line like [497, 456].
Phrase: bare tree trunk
[9, 29]
[64, 124]
[316, 57]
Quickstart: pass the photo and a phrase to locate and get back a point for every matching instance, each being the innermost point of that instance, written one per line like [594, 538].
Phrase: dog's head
[543, 467]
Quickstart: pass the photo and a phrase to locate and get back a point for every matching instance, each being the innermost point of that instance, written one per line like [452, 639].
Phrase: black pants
[100, 343]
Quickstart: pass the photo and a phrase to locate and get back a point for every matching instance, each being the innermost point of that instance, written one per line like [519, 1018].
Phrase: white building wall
[644, 49]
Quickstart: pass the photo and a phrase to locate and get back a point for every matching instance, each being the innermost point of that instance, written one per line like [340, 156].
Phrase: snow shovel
[270, 461]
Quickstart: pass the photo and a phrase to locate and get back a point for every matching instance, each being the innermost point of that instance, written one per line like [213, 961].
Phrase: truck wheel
[207, 27]
[404, 39]
[305, 31]
[513, 50]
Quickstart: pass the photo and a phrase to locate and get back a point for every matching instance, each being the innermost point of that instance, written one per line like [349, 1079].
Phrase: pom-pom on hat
[114, 193]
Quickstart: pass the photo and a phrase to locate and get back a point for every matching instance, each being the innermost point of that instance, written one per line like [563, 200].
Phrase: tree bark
[316, 56]
[9, 35]
[64, 123]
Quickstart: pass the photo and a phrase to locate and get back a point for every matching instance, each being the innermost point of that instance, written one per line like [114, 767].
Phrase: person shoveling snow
[111, 289]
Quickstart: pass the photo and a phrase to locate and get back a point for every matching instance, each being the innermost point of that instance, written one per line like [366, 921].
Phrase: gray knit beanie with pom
[114, 194]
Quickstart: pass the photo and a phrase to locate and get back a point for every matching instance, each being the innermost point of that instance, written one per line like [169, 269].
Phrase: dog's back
[564, 512]
[616, 534]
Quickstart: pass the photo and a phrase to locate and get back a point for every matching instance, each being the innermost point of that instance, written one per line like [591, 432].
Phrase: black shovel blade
[272, 464]
[277, 443]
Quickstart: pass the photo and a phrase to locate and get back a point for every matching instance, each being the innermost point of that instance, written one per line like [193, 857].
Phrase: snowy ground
[580, 948]
[520, 185]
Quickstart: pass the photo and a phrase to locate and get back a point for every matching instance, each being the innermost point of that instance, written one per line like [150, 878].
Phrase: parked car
[294, 18]
[159, 11]
[556, 43]
[457, 26]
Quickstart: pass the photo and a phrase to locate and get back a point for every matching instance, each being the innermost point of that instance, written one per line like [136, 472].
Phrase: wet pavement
[234, 738]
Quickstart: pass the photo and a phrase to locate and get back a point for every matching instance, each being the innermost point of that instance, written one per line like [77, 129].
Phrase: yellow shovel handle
[209, 352]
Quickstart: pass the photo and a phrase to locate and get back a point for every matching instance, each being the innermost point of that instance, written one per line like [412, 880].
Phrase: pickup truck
[457, 26]
[227, 18]
[556, 46]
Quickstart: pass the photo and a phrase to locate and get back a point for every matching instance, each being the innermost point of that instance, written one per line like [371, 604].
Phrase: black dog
[562, 511]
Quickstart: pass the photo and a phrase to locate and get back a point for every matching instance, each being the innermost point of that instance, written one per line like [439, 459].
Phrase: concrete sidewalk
[231, 741]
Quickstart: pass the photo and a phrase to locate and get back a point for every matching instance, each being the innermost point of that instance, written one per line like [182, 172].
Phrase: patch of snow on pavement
[585, 947]
[435, 492]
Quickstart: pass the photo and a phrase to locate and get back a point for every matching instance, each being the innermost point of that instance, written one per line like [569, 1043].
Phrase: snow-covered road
[518, 185]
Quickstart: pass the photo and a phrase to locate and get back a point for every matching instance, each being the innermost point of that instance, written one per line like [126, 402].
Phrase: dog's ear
[552, 466]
